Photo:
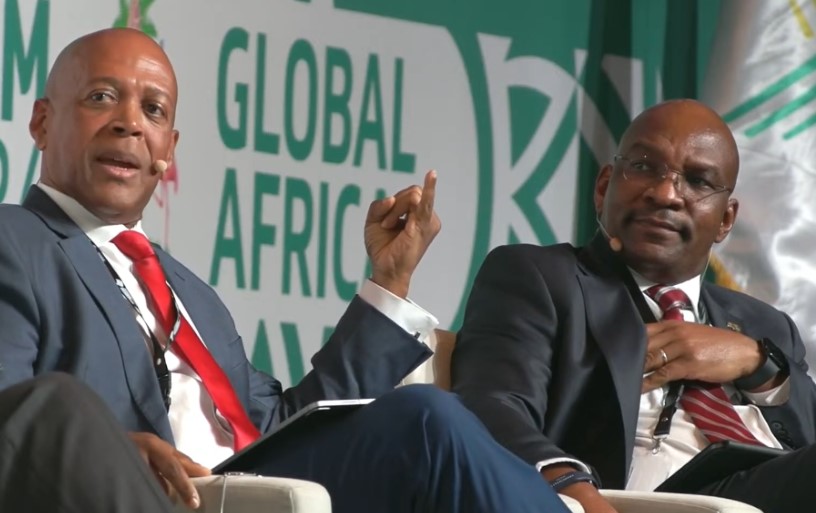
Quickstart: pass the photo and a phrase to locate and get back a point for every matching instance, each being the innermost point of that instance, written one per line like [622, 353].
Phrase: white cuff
[555, 461]
[405, 313]
[773, 397]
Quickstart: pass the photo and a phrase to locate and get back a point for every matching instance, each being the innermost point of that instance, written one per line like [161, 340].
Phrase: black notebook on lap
[310, 417]
[716, 462]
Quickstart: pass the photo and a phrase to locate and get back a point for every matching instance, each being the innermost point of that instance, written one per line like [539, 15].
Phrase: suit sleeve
[502, 364]
[794, 422]
[366, 356]
[19, 317]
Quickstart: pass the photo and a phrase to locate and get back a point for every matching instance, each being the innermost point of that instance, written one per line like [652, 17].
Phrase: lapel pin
[733, 326]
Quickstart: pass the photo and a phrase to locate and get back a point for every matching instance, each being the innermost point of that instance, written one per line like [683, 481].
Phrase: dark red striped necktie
[187, 345]
[706, 403]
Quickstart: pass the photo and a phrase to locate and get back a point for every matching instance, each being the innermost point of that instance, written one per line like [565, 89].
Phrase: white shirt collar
[691, 287]
[97, 230]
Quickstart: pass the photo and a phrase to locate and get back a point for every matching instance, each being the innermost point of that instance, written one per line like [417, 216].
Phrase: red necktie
[706, 403]
[187, 345]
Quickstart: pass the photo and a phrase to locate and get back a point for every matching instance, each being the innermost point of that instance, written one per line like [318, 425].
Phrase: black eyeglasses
[645, 172]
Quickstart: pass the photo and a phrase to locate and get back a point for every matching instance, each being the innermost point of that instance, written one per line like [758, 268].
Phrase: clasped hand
[683, 350]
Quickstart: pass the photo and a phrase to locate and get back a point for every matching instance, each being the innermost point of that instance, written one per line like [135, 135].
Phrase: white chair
[443, 343]
[249, 494]
[256, 494]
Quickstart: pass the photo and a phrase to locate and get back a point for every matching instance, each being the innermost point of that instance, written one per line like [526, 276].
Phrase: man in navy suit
[562, 358]
[82, 291]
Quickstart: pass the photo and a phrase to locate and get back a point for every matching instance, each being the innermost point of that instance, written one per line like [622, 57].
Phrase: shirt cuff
[555, 461]
[773, 397]
[403, 312]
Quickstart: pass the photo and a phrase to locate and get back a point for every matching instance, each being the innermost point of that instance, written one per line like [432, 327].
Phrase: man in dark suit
[561, 357]
[83, 291]
[61, 450]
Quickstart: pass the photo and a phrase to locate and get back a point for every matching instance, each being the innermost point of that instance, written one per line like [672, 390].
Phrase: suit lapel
[615, 324]
[717, 315]
[139, 372]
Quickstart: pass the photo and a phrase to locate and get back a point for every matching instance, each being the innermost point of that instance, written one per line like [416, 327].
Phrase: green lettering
[291, 343]
[371, 129]
[265, 142]
[350, 195]
[337, 106]
[225, 246]
[4, 171]
[14, 51]
[402, 161]
[296, 243]
[234, 138]
[328, 331]
[262, 234]
[32, 167]
[261, 356]
[300, 148]
[322, 229]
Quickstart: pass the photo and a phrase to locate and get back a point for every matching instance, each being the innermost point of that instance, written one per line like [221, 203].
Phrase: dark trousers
[781, 485]
[416, 449]
[62, 451]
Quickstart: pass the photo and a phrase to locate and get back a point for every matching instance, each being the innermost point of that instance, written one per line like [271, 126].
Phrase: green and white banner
[294, 115]
[762, 79]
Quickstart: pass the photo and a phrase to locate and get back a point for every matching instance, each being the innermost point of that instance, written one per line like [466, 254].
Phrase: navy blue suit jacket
[60, 310]
[551, 355]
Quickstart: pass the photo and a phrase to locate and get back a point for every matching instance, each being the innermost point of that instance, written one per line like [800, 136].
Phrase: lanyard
[159, 361]
[663, 426]
[670, 400]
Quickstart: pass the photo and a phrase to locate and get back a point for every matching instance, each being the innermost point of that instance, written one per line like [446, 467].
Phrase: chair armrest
[656, 502]
[572, 505]
[257, 494]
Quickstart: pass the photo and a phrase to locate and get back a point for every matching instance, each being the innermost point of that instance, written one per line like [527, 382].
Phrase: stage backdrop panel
[295, 115]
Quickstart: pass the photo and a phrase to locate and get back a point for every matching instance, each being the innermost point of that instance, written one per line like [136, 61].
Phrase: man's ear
[728, 219]
[37, 125]
[171, 150]
[601, 186]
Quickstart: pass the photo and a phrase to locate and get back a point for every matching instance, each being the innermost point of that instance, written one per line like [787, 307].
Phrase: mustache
[665, 218]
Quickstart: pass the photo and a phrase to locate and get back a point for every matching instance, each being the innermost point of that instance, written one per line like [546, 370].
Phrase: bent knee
[58, 386]
[429, 402]
[423, 396]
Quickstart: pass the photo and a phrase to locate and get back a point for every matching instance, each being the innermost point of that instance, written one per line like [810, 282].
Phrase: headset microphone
[160, 166]
[615, 243]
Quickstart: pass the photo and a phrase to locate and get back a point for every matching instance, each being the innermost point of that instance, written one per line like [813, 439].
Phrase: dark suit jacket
[61, 310]
[551, 355]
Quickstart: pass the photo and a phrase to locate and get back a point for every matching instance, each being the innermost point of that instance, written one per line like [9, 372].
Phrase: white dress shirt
[199, 430]
[650, 468]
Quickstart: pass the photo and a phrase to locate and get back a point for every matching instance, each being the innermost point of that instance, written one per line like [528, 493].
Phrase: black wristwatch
[775, 362]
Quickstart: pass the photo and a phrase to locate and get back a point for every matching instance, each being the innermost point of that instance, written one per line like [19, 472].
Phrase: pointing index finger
[426, 203]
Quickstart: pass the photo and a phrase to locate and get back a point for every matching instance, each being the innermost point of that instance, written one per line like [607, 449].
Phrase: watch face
[775, 363]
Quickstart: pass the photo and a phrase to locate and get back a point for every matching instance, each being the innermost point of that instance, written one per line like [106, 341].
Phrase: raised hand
[398, 231]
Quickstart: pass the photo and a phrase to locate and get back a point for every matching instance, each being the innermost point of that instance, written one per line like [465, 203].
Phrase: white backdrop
[295, 115]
